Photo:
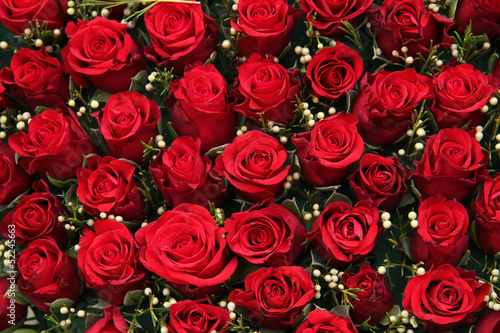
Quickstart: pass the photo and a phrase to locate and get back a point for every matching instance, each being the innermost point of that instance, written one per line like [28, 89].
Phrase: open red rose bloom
[244, 166]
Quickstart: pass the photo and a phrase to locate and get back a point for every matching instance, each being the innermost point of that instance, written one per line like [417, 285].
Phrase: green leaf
[337, 197]
[101, 96]
[291, 204]
[242, 270]
[464, 259]
[139, 81]
[61, 184]
[132, 298]
[406, 241]
[59, 303]
[216, 151]
[341, 310]
[452, 9]
[395, 311]
[171, 130]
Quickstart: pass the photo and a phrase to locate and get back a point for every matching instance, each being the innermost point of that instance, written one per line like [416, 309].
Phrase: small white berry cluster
[151, 78]
[64, 311]
[413, 219]
[385, 217]
[230, 307]
[332, 278]
[289, 180]
[403, 318]
[94, 104]
[21, 121]
[492, 298]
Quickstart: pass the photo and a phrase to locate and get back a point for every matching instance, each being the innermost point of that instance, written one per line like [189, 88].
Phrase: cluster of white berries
[386, 223]
[332, 278]
[305, 54]
[21, 121]
[160, 141]
[64, 311]
[404, 318]
[408, 59]
[230, 307]
[413, 219]
[492, 299]
[151, 79]
[289, 180]
[242, 130]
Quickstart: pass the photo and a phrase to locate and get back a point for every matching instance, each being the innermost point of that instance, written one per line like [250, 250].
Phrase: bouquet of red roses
[250, 166]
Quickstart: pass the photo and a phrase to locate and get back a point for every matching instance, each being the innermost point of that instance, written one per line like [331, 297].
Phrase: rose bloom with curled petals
[196, 317]
[183, 176]
[265, 88]
[128, 119]
[452, 165]
[267, 26]
[35, 216]
[13, 179]
[109, 261]
[275, 296]
[485, 210]
[386, 101]
[327, 152]
[46, 273]
[36, 78]
[113, 322]
[187, 248]
[374, 299]
[106, 185]
[17, 15]
[181, 34]
[267, 233]
[333, 71]
[322, 321]
[442, 235]
[101, 53]
[254, 163]
[409, 23]
[445, 297]
[200, 107]
[54, 144]
[380, 180]
[344, 234]
[461, 91]
[328, 16]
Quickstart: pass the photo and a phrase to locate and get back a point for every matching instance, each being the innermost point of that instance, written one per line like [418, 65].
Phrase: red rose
[445, 297]
[266, 234]
[265, 88]
[343, 234]
[461, 92]
[109, 261]
[46, 273]
[16, 15]
[489, 323]
[333, 71]
[128, 119]
[380, 180]
[113, 322]
[453, 165]
[275, 296]
[199, 107]
[267, 26]
[254, 163]
[13, 179]
[36, 78]
[409, 23]
[101, 53]
[55, 144]
[328, 16]
[319, 321]
[35, 216]
[327, 152]
[385, 103]
[484, 15]
[186, 247]
[374, 299]
[442, 235]
[183, 176]
[107, 185]
[485, 211]
[11, 312]
[181, 34]
[194, 317]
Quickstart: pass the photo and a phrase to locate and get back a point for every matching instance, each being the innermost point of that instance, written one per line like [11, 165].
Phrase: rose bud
[275, 296]
[101, 53]
[179, 42]
[113, 322]
[442, 234]
[319, 321]
[36, 78]
[109, 261]
[127, 120]
[374, 299]
[343, 234]
[267, 26]
[47, 274]
[445, 297]
[453, 165]
[484, 210]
